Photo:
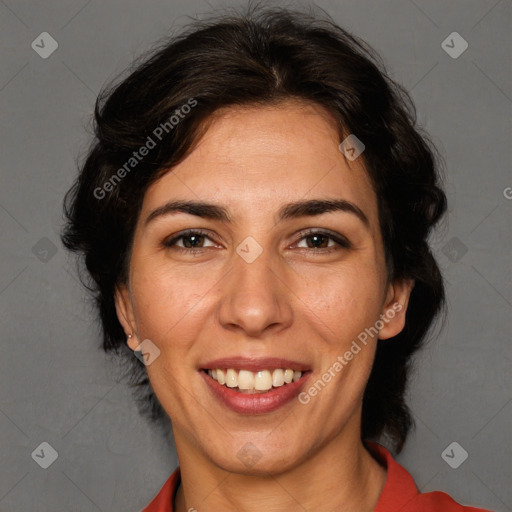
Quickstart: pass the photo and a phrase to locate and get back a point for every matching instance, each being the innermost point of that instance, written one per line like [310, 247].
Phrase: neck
[342, 475]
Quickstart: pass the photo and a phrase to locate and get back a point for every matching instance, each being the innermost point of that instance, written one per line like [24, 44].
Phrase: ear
[124, 309]
[395, 307]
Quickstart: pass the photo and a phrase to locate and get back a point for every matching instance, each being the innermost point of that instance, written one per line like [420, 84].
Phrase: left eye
[319, 237]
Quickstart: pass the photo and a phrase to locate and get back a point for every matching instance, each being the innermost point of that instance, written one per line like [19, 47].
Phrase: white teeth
[278, 378]
[288, 376]
[247, 381]
[231, 378]
[263, 381]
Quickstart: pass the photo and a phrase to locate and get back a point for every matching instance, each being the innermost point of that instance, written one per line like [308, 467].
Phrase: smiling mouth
[248, 382]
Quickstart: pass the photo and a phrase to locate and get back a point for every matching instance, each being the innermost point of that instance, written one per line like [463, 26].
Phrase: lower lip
[257, 403]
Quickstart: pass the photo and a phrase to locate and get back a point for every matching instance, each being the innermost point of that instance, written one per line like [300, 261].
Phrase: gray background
[58, 387]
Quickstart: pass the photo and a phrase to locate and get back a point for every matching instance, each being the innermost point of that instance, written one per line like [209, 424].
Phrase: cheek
[168, 305]
[169, 311]
[345, 301]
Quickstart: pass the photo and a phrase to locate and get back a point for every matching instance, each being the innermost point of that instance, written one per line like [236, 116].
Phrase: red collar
[399, 489]
[399, 493]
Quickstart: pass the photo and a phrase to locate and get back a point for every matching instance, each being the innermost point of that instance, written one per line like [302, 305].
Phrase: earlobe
[132, 343]
[125, 315]
[393, 315]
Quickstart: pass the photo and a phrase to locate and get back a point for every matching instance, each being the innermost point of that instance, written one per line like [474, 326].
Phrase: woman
[254, 215]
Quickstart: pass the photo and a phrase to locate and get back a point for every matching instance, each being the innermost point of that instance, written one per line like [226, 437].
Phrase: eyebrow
[297, 209]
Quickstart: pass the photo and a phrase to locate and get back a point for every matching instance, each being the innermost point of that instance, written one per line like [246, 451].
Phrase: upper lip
[254, 364]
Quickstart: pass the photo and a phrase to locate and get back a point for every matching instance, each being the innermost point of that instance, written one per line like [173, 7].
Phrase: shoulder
[400, 491]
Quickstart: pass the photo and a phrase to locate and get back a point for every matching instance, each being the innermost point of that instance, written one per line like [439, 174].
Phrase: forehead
[275, 154]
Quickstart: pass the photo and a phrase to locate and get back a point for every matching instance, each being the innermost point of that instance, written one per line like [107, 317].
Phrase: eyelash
[342, 242]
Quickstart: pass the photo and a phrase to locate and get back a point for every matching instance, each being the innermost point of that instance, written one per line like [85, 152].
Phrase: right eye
[193, 237]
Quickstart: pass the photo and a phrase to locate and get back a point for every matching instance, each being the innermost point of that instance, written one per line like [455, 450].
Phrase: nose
[255, 297]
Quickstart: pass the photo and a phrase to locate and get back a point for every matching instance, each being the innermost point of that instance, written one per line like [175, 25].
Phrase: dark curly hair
[262, 56]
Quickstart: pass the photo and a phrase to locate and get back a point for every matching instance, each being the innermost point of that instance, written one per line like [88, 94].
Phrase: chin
[257, 457]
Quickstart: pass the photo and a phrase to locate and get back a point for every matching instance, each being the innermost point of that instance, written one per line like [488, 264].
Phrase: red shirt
[399, 493]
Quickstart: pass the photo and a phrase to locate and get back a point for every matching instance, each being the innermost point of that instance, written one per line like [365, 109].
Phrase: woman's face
[260, 286]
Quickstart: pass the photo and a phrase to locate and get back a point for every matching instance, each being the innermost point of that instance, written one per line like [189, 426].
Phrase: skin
[295, 300]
